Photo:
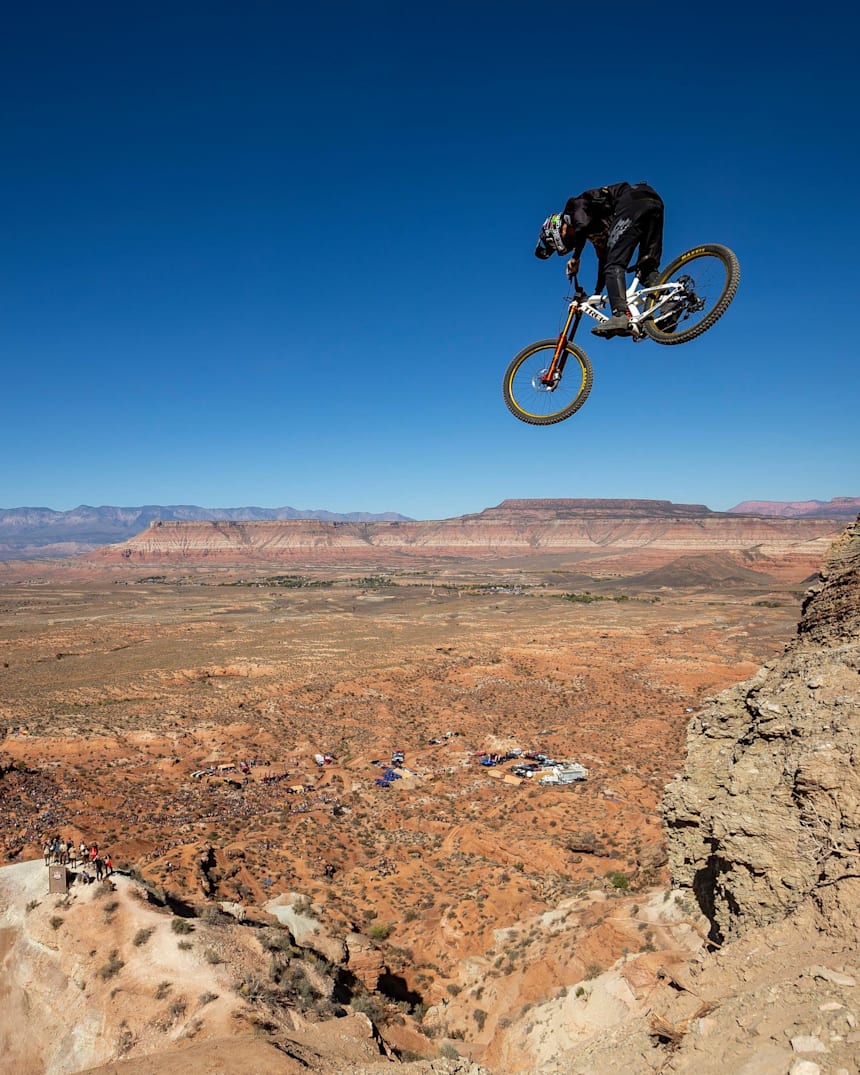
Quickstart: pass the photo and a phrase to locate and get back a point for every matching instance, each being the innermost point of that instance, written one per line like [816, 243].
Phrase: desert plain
[224, 732]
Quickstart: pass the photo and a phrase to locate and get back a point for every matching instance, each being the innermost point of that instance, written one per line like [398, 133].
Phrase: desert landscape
[402, 790]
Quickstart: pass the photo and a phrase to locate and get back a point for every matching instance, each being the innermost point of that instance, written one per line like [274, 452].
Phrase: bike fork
[556, 367]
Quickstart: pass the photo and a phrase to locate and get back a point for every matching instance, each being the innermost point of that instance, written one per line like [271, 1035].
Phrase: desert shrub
[619, 880]
[56, 921]
[592, 971]
[304, 990]
[31, 906]
[480, 1017]
[142, 936]
[113, 966]
[181, 925]
[178, 1007]
[379, 932]
[254, 989]
[206, 998]
[124, 1039]
[211, 956]
[185, 946]
[371, 1006]
[276, 940]
[163, 989]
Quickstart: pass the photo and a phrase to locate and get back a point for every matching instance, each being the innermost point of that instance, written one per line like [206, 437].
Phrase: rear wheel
[540, 404]
[709, 276]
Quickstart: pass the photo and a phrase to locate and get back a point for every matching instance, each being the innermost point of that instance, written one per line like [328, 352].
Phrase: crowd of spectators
[94, 864]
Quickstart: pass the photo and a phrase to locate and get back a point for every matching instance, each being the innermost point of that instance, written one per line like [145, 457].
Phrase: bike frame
[642, 303]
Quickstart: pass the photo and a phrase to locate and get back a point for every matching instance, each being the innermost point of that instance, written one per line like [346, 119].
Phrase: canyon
[221, 711]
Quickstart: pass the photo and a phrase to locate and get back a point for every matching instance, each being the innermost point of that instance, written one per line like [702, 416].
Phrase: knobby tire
[728, 259]
[527, 400]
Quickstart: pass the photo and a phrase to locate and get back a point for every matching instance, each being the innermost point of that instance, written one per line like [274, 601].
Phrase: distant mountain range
[840, 507]
[26, 533]
[29, 533]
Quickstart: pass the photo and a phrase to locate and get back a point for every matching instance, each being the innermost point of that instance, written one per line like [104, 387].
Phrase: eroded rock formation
[766, 815]
[514, 529]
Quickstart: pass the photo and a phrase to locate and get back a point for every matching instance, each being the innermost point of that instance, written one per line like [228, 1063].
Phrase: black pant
[638, 221]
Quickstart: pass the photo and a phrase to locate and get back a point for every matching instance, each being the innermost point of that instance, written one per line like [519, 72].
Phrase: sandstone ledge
[766, 816]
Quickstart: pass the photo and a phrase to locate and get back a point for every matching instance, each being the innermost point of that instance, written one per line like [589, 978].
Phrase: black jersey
[591, 212]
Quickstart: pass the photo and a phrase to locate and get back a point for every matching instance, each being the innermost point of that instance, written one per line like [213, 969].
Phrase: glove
[571, 268]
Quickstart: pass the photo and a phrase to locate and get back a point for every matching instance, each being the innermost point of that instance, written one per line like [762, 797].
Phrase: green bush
[371, 1006]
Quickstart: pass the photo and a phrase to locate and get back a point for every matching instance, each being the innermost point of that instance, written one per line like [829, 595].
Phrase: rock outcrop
[765, 818]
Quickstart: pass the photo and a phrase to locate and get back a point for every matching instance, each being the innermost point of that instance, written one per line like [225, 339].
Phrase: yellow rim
[528, 355]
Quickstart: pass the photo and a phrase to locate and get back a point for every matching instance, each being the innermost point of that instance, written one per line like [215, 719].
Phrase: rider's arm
[583, 221]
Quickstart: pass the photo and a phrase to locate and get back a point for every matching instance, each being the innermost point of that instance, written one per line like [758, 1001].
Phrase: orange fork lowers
[549, 378]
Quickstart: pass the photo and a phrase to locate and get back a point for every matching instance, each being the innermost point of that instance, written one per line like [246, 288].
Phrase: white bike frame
[642, 302]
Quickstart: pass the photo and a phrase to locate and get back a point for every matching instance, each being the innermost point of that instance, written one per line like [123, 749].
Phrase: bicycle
[550, 380]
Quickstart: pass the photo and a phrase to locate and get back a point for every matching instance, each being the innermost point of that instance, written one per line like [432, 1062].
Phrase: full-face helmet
[550, 241]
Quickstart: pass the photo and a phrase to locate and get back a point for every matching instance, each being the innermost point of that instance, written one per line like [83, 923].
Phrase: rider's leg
[650, 224]
[622, 241]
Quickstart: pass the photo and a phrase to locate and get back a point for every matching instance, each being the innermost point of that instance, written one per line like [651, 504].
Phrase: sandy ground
[114, 694]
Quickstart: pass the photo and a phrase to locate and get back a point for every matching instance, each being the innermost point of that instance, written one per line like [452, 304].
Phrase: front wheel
[531, 399]
[709, 276]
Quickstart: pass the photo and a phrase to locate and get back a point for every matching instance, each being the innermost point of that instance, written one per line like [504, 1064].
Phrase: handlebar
[579, 294]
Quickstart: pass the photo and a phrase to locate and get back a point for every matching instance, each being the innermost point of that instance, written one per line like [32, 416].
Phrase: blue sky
[258, 257]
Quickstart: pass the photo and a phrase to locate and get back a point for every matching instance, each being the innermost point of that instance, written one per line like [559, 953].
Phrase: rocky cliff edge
[765, 818]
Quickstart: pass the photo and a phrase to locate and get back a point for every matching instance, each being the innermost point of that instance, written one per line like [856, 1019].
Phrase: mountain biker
[615, 220]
